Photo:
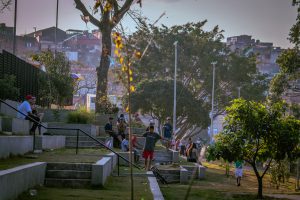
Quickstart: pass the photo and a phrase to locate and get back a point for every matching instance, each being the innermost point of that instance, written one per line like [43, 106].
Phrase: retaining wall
[50, 142]
[19, 179]
[15, 145]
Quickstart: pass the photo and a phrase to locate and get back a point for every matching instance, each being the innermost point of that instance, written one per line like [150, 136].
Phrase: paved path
[285, 196]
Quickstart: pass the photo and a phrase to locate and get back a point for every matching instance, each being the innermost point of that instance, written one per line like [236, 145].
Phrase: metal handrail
[72, 129]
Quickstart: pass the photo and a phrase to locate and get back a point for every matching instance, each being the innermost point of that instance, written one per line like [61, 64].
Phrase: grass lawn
[116, 188]
[58, 155]
[217, 186]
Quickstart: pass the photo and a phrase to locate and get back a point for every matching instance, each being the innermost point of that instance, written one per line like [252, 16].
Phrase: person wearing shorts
[151, 139]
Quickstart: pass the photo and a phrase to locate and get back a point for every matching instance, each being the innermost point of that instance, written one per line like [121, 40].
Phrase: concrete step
[72, 183]
[69, 166]
[84, 138]
[68, 174]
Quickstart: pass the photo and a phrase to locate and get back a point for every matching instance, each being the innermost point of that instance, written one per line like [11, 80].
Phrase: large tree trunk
[102, 71]
[260, 188]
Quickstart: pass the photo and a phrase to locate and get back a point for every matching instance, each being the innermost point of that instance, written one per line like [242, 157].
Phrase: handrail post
[118, 165]
[33, 148]
[77, 138]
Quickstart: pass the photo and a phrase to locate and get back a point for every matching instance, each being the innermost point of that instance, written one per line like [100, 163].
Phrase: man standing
[151, 139]
[109, 130]
[167, 131]
[26, 109]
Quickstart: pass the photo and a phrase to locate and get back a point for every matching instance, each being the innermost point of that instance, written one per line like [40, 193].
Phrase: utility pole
[15, 27]
[175, 76]
[212, 103]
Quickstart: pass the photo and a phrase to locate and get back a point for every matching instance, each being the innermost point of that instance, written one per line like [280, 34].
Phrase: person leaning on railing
[26, 109]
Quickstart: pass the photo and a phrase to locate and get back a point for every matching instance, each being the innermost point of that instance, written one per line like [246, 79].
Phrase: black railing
[77, 137]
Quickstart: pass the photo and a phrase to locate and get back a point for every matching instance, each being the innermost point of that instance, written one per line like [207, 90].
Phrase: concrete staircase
[73, 175]
[162, 157]
[84, 141]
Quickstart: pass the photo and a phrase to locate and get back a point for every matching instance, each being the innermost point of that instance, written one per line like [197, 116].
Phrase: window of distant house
[28, 44]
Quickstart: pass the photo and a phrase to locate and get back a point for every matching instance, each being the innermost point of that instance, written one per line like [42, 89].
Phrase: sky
[266, 20]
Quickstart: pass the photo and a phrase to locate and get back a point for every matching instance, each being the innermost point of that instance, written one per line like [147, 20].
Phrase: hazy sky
[267, 20]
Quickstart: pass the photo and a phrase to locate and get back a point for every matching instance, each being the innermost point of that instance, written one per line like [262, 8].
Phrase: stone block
[184, 178]
[175, 156]
[19, 179]
[50, 142]
[8, 111]
[114, 159]
[21, 126]
[15, 145]
[101, 170]
[0, 123]
[201, 172]
[6, 124]
[154, 187]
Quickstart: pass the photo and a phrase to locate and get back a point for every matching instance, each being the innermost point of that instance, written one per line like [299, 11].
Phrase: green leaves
[256, 132]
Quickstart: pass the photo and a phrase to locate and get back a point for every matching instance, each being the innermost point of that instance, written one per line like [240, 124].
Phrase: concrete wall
[15, 145]
[50, 142]
[21, 126]
[88, 128]
[7, 110]
[114, 159]
[19, 179]
[101, 170]
[125, 155]
[154, 187]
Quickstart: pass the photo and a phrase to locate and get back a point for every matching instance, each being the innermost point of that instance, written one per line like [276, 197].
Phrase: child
[238, 172]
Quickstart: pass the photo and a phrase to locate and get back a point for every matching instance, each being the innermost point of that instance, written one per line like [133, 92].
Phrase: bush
[80, 117]
[7, 87]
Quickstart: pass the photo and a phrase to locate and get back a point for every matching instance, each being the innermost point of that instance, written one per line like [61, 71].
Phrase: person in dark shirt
[151, 139]
[167, 130]
[109, 130]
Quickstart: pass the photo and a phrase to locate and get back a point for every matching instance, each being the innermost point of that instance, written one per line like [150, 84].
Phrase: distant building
[265, 51]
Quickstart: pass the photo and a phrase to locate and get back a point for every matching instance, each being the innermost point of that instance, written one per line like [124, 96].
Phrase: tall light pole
[174, 102]
[212, 102]
[56, 25]
[15, 27]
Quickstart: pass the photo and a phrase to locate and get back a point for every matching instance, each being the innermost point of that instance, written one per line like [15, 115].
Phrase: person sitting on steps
[26, 109]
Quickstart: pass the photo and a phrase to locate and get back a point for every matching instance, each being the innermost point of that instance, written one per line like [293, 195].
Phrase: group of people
[28, 111]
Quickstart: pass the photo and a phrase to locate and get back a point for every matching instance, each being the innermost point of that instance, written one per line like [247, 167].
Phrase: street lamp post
[15, 27]
[212, 102]
[56, 25]
[175, 75]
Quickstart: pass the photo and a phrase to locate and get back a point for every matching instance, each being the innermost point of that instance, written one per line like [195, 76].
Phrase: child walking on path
[238, 172]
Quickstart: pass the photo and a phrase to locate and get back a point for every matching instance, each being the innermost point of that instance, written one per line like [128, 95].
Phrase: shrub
[80, 117]
[7, 87]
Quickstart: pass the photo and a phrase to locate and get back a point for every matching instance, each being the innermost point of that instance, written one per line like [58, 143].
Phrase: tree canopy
[197, 49]
[257, 133]
[156, 97]
[57, 86]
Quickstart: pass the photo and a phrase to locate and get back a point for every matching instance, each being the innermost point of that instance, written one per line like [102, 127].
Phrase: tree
[289, 63]
[197, 49]
[57, 86]
[7, 87]
[111, 12]
[155, 97]
[257, 133]
[4, 4]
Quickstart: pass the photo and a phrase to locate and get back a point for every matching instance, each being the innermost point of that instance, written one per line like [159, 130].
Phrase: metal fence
[27, 75]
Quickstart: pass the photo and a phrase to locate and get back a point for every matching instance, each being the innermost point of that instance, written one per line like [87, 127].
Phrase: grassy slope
[116, 188]
[217, 186]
